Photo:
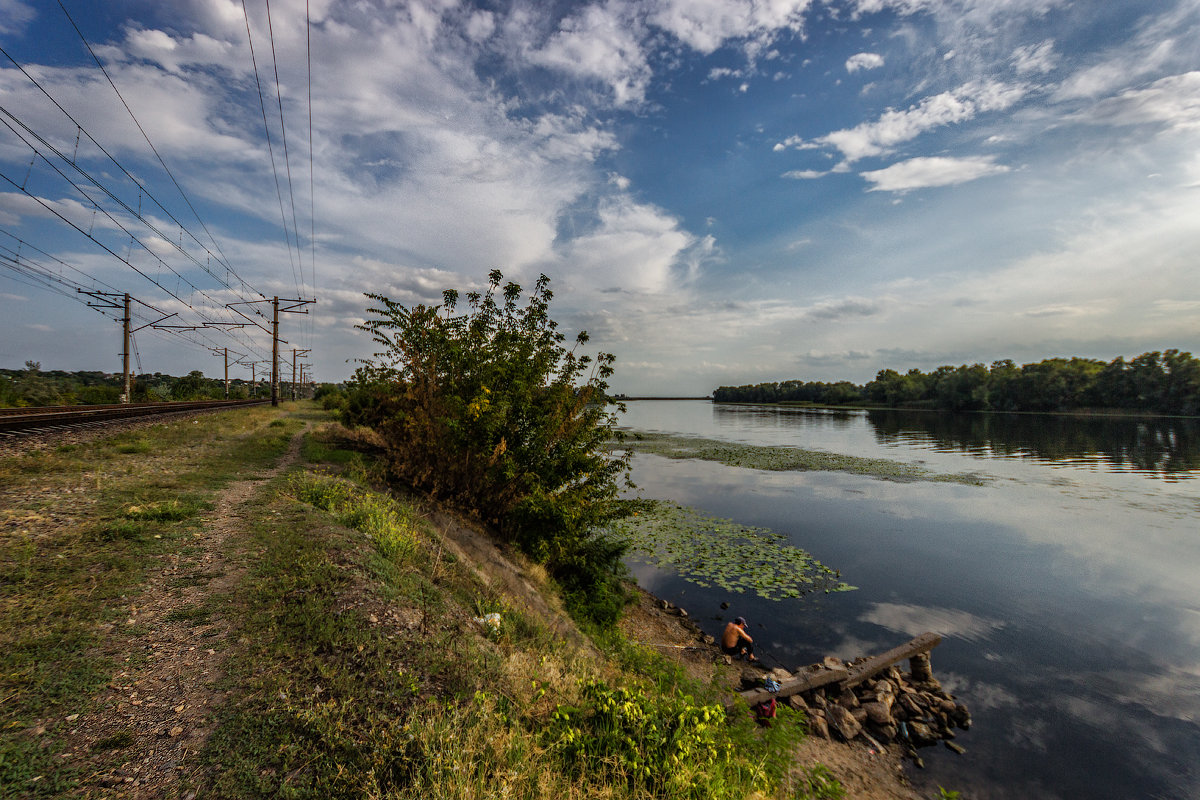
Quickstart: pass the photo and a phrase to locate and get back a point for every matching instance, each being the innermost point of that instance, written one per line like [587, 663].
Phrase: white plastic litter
[491, 620]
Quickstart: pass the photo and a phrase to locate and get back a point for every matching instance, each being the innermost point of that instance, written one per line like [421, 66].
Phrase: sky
[721, 191]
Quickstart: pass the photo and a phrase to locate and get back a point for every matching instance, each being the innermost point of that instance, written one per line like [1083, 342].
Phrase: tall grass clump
[487, 410]
[391, 525]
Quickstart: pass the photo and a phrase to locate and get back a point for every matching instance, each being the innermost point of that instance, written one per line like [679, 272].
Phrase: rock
[818, 700]
[797, 702]
[956, 748]
[859, 714]
[817, 726]
[877, 713]
[909, 703]
[886, 733]
[842, 722]
[947, 707]
[178, 729]
[920, 734]
[683, 612]
[832, 662]
[780, 674]
[727, 659]
[724, 606]
[708, 639]
[848, 700]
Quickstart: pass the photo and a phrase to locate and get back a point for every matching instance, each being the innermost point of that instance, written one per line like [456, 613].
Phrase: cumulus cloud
[635, 248]
[602, 44]
[928, 171]
[893, 127]
[860, 61]
[704, 25]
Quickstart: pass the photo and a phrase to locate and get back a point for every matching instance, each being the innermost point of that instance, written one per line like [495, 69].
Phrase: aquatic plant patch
[776, 458]
[710, 551]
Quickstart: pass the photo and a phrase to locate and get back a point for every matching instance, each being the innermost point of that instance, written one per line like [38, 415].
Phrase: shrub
[488, 411]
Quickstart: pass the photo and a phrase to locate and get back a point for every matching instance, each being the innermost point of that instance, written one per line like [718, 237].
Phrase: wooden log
[821, 676]
[876, 664]
[846, 677]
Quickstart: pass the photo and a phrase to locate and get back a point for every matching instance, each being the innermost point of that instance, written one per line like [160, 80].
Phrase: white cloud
[860, 61]
[1116, 73]
[635, 248]
[15, 15]
[915, 620]
[599, 43]
[895, 127]
[929, 171]
[705, 25]
[804, 174]
[1173, 101]
[1039, 58]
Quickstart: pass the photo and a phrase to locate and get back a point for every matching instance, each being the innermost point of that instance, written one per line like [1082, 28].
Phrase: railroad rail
[17, 421]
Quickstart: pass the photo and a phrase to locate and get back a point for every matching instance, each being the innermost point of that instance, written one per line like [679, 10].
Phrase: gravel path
[160, 709]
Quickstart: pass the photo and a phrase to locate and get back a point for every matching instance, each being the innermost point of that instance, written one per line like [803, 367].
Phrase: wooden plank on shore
[822, 676]
[846, 676]
[876, 664]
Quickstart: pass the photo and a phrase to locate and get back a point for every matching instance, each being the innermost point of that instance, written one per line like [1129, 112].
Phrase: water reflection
[1168, 448]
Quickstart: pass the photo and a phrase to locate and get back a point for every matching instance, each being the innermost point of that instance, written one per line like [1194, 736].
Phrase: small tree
[488, 411]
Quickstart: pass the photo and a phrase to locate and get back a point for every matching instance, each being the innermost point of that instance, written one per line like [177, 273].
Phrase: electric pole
[274, 331]
[128, 395]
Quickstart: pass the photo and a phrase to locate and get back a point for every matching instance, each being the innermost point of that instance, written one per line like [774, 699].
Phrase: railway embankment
[231, 606]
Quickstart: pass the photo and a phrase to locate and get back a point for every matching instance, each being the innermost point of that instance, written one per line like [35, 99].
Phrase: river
[1066, 587]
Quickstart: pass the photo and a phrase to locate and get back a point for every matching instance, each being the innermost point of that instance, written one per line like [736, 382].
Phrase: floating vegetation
[776, 458]
[710, 551]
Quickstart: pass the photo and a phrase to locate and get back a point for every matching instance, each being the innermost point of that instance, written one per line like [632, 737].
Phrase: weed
[117, 741]
[173, 510]
[389, 523]
[816, 783]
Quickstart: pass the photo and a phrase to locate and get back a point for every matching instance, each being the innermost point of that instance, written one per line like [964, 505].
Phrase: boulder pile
[891, 707]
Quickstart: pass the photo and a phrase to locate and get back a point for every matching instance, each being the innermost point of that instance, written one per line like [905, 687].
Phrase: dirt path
[159, 709]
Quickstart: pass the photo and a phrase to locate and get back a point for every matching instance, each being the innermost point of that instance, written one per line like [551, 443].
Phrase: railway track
[49, 419]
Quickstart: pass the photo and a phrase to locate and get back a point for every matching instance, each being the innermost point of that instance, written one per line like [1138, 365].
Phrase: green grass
[355, 667]
[95, 524]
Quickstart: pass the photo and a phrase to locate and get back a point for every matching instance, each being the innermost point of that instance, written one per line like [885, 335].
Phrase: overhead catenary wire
[80, 129]
[270, 148]
[30, 272]
[111, 218]
[166, 169]
[286, 159]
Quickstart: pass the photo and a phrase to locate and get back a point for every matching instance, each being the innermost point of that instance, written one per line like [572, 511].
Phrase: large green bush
[488, 411]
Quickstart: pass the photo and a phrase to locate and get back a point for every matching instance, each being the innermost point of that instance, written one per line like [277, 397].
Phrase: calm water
[1067, 588]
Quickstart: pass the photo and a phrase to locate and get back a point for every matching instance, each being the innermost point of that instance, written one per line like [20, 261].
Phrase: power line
[98, 184]
[270, 148]
[166, 169]
[80, 129]
[286, 160]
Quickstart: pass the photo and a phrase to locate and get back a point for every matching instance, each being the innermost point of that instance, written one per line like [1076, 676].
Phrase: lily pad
[708, 550]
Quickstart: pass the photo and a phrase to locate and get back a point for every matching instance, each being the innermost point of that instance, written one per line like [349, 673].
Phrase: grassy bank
[357, 649]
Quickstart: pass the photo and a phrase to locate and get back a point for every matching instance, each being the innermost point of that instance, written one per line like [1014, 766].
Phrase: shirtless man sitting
[736, 642]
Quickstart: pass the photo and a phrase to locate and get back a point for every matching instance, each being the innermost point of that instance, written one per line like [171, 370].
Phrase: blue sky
[722, 191]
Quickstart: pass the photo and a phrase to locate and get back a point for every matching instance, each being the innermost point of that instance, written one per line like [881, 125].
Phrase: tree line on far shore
[1166, 382]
